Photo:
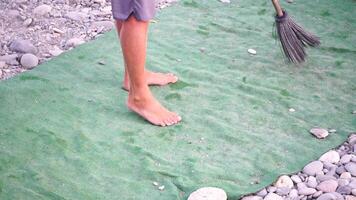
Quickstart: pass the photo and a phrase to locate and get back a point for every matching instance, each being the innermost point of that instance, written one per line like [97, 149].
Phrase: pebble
[296, 179]
[312, 168]
[2, 64]
[155, 183]
[262, 193]
[252, 51]
[293, 194]
[22, 46]
[282, 191]
[353, 192]
[328, 186]
[208, 193]
[76, 16]
[28, 22]
[284, 181]
[312, 183]
[29, 61]
[349, 197]
[346, 159]
[273, 196]
[10, 59]
[330, 157]
[306, 191]
[42, 10]
[252, 198]
[345, 175]
[319, 132]
[344, 190]
[327, 196]
[291, 110]
[351, 167]
[225, 1]
[56, 51]
[74, 42]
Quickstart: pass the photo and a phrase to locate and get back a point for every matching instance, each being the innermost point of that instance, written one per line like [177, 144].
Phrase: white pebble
[252, 51]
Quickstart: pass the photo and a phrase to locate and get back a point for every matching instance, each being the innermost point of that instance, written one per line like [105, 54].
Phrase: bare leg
[133, 36]
[152, 78]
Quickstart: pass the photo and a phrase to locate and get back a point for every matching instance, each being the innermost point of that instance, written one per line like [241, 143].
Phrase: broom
[292, 36]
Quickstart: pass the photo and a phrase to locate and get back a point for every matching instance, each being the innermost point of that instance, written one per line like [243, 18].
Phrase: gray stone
[346, 159]
[351, 167]
[312, 168]
[341, 169]
[76, 16]
[74, 42]
[319, 132]
[29, 61]
[306, 191]
[296, 179]
[262, 193]
[312, 183]
[284, 181]
[208, 193]
[353, 192]
[352, 185]
[283, 191]
[252, 198]
[293, 194]
[344, 190]
[273, 196]
[345, 175]
[2, 64]
[10, 59]
[317, 194]
[28, 22]
[328, 186]
[107, 25]
[327, 196]
[322, 178]
[330, 157]
[342, 182]
[271, 189]
[42, 10]
[23, 46]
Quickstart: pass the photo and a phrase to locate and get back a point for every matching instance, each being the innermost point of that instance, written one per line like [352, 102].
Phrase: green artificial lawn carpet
[65, 132]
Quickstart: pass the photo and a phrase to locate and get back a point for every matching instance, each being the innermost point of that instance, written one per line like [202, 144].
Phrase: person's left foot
[153, 78]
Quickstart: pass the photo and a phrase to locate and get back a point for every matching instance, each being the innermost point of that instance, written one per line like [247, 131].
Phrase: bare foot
[150, 109]
[153, 78]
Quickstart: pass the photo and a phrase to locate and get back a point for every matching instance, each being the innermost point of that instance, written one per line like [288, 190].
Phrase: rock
[2, 64]
[76, 16]
[284, 181]
[252, 198]
[28, 22]
[330, 157]
[312, 183]
[29, 61]
[319, 132]
[353, 192]
[283, 191]
[107, 25]
[322, 178]
[10, 59]
[345, 175]
[56, 51]
[252, 51]
[317, 194]
[293, 194]
[306, 191]
[341, 169]
[23, 46]
[208, 193]
[345, 159]
[161, 187]
[225, 1]
[328, 186]
[296, 179]
[352, 138]
[74, 42]
[291, 110]
[312, 168]
[344, 190]
[42, 10]
[327, 196]
[271, 189]
[272, 196]
[343, 182]
[352, 185]
[349, 197]
[262, 193]
[351, 167]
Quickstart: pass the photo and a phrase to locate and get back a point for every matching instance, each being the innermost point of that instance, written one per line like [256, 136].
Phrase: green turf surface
[65, 132]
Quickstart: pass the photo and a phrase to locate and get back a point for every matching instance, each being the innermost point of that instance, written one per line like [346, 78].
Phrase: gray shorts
[143, 10]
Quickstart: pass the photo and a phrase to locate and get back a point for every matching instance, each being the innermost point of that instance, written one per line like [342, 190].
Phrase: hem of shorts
[125, 17]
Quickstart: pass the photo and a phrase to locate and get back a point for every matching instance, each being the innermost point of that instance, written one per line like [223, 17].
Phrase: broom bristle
[294, 38]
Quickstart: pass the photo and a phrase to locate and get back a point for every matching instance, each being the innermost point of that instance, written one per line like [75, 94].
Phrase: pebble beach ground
[33, 32]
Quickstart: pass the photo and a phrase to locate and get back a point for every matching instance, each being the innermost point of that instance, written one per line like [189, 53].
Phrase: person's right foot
[151, 110]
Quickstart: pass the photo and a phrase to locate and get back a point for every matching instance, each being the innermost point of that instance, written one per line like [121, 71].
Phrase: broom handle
[278, 8]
